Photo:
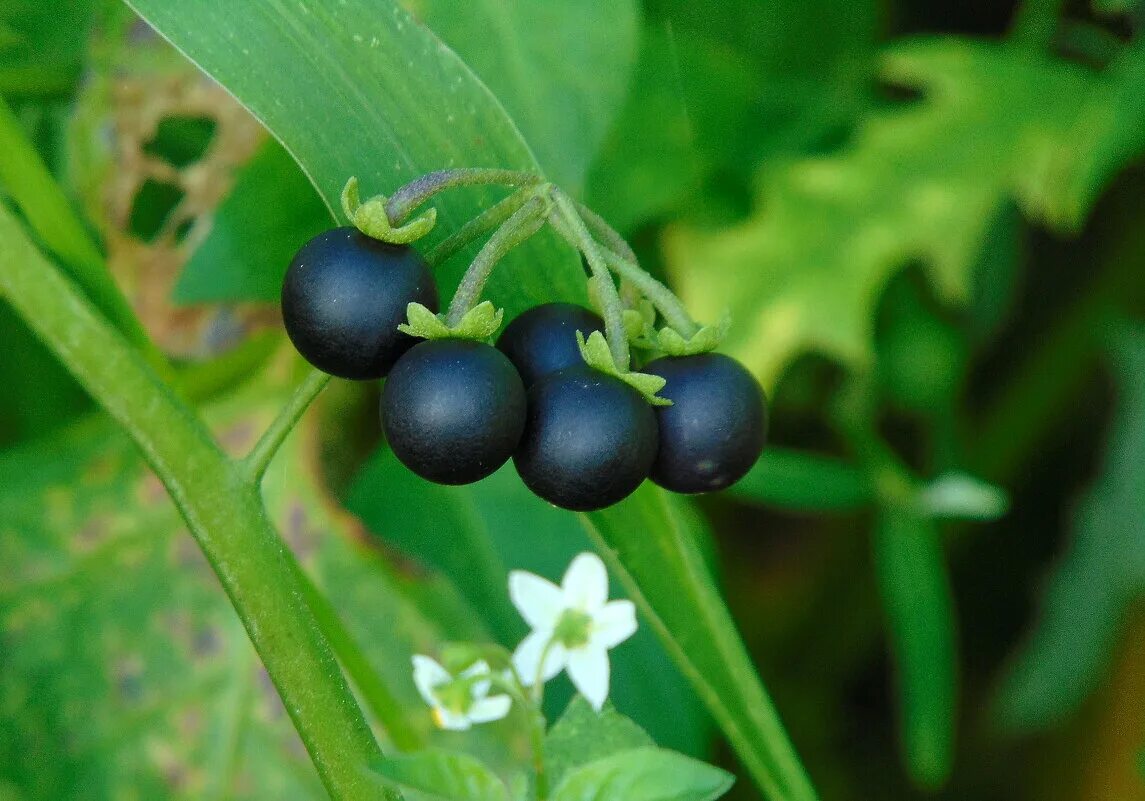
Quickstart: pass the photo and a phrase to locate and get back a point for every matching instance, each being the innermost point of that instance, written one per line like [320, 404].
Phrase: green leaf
[583, 735]
[361, 89]
[644, 774]
[444, 775]
[650, 543]
[916, 596]
[919, 182]
[270, 213]
[791, 479]
[42, 45]
[560, 69]
[1097, 579]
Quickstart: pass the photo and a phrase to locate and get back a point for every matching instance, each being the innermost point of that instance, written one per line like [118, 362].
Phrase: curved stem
[665, 301]
[256, 462]
[524, 222]
[418, 191]
[575, 229]
[536, 729]
[606, 233]
[480, 225]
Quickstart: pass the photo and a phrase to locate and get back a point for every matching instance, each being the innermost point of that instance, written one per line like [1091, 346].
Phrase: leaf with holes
[919, 182]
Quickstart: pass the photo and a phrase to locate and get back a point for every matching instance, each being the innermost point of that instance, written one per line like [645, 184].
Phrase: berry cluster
[454, 410]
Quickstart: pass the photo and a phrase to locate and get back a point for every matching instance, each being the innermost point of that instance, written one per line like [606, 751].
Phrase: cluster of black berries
[455, 410]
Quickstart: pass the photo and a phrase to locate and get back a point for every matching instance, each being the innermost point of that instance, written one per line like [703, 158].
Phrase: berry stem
[480, 225]
[258, 460]
[408, 197]
[521, 225]
[569, 224]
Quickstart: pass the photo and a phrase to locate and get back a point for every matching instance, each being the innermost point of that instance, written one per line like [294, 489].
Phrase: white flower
[573, 625]
[458, 702]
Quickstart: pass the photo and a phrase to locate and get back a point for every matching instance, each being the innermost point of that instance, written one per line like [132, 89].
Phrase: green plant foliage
[796, 480]
[644, 774]
[360, 88]
[444, 775]
[918, 182]
[582, 735]
[1098, 578]
[126, 669]
[42, 45]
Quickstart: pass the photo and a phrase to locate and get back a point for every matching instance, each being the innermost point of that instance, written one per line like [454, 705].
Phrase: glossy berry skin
[343, 297]
[589, 440]
[453, 410]
[715, 428]
[542, 340]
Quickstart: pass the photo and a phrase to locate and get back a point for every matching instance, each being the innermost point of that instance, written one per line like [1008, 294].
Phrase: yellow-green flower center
[573, 629]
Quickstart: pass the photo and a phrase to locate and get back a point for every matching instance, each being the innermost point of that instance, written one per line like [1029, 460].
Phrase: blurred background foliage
[926, 219]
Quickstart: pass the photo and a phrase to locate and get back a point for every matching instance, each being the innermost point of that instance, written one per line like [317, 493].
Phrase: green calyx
[669, 341]
[480, 323]
[596, 354]
[372, 219]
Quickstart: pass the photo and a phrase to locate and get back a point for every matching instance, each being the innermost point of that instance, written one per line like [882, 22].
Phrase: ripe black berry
[453, 410]
[715, 428]
[344, 296]
[542, 340]
[589, 439]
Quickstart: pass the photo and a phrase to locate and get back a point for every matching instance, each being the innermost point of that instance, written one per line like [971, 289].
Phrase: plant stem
[223, 511]
[523, 223]
[575, 230]
[418, 191]
[606, 233]
[258, 460]
[665, 301]
[480, 225]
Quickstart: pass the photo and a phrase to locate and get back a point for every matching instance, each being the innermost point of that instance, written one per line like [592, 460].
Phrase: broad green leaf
[271, 211]
[126, 671]
[650, 542]
[583, 735]
[444, 775]
[794, 480]
[644, 774]
[560, 69]
[476, 534]
[1098, 578]
[360, 88]
[916, 596]
[922, 181]
[42, 45]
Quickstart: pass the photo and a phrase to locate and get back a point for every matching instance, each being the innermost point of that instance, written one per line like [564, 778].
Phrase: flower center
[456, 696]
[573, 629]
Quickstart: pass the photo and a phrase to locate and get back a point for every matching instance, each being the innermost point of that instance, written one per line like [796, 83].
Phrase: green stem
[223, 511]
[524, 222]
[258, 460]
[476, 228]
[575, 230]
[407, 198]
[665, 301]
[606, 233]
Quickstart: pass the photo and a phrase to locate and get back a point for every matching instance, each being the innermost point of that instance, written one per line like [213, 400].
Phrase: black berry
[344, 296]
[589, 439]
[542, 340]
[715, 428]
[453, 410]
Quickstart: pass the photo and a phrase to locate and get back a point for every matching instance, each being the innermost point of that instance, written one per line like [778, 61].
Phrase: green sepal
[371, 219]
[597, 355]
[671, 343]
[480, 322]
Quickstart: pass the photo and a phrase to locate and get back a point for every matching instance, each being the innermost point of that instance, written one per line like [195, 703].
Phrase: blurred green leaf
[1097, 579]
[42, 45]
[583, 735]
[360, 88]
[921, 181]
[444, 775]
[644, 774]
[271, 211]
[475, 534]
[560, 69]
[651, 543]
[126, 670]
[920, 616]
[790, 479]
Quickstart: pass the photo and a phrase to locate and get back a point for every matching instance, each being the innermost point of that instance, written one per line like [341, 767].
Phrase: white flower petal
[588, 668]
[585, 584]
[613, 624]
[538, 600]
[450, 721]
[488, 709]
[527, 658]
[427, 675]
